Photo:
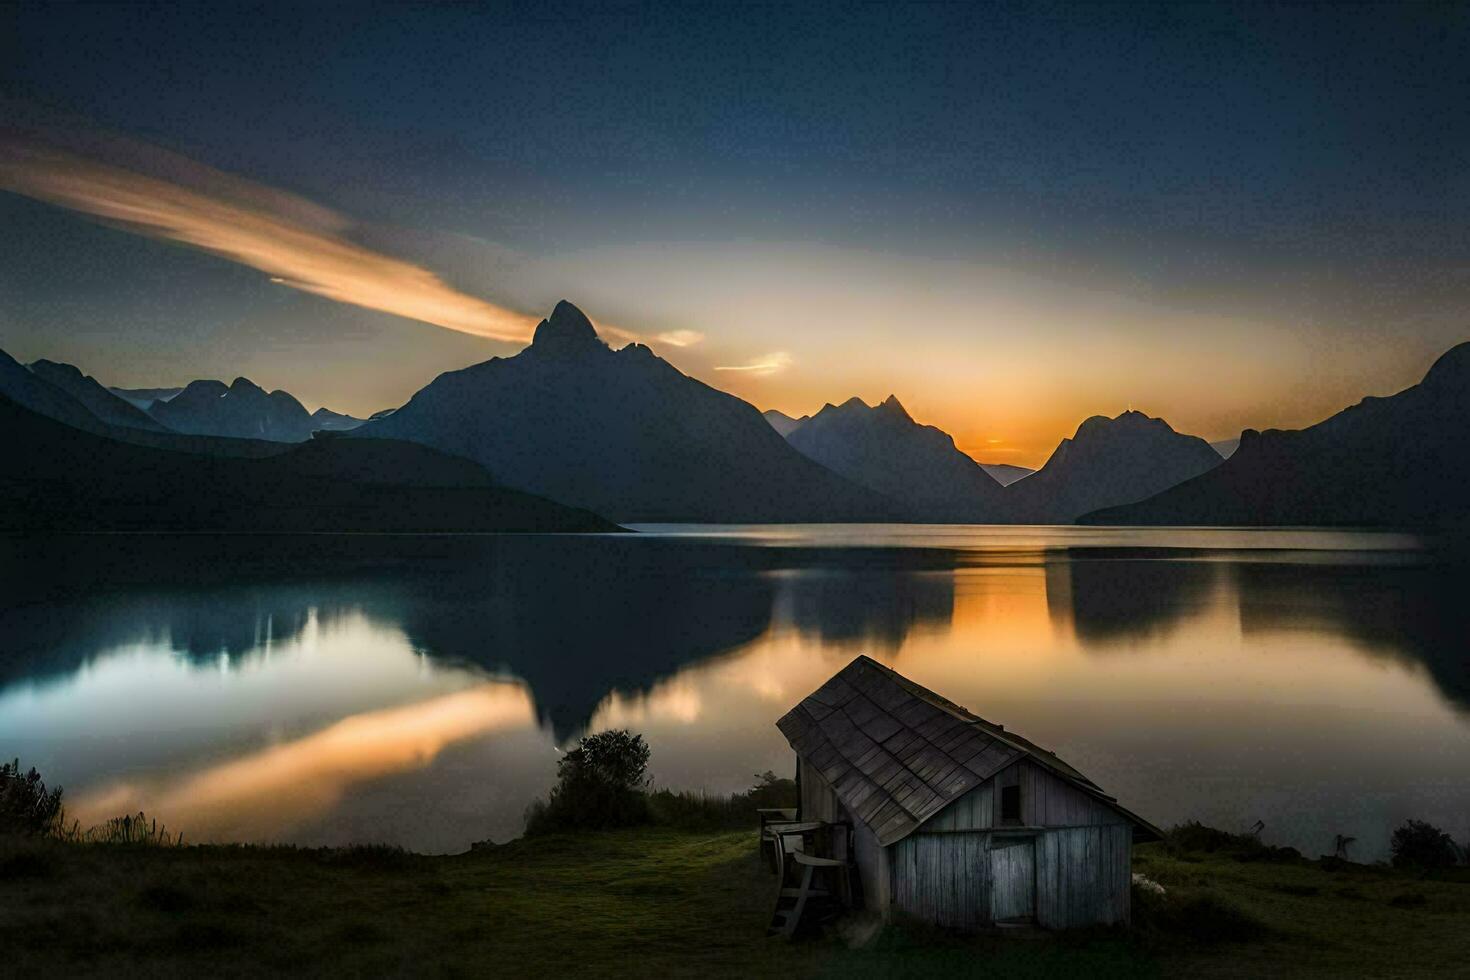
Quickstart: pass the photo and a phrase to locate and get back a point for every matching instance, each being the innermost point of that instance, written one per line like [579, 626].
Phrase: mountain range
[76, 479]
[144, 397]
[917, 466]
[623, 433]
[241, 409]
[95, 398]
[1402, 460]
[1108, 462]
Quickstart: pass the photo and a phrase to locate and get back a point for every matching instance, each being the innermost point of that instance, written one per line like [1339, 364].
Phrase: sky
[1012, 217]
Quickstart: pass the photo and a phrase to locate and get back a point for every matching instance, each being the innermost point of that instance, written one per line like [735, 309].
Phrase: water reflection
[415, 690]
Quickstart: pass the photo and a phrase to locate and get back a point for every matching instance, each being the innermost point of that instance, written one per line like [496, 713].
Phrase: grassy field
[666, 903]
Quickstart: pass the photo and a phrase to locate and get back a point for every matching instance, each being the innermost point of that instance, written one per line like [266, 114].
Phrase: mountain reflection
[1111, 598]
[1415, 615]
[333, 689]
[867, 608]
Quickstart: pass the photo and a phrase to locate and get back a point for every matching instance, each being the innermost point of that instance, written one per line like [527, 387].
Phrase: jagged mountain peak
[625, 434]
[893, 406]
[567, 330]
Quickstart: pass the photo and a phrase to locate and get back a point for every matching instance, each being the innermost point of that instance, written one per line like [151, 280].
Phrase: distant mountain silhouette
[1226, 447]
[885, 450]
[1402, 460]
[26, 388]
[76, 480]
[144, 397]
[326, 420]
[30, 390]
[94, 396]
[241, 410]
[623, 433]
[1006, 473]
[1109, 462]
[782, 422]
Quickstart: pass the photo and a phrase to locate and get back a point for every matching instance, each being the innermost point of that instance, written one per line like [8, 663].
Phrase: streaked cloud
[772, 363]
[679, 338]
[296, 242]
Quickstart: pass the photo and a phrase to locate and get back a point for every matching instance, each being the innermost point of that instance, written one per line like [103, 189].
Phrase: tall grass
[132, 829]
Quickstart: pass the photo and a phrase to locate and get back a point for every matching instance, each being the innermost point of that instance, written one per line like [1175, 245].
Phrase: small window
[1010, 804]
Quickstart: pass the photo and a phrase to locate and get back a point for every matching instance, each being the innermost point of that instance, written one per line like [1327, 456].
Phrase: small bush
[700, 811]
[1195, 836]
[26, 806]
[1422, 845]
[599, 785]
[603, 783]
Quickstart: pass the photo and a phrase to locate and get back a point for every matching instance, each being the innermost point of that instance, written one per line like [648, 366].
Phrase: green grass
[660, 902]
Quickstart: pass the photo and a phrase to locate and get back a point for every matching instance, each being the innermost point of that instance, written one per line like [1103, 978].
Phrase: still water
[416, 690]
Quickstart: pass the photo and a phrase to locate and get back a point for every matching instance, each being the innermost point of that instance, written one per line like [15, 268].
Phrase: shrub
[26, 805]
[1422, 845]
[700, 811]
[1194, 836]
[599, 785]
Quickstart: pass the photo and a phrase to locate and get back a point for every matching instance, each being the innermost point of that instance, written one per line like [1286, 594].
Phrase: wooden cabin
[956, 821]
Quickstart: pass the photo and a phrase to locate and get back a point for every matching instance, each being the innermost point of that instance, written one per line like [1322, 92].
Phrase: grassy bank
[662, 902]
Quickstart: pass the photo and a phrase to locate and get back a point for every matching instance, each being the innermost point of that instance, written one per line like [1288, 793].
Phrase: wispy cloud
[679, 338]
[294, 241]
[773, 363]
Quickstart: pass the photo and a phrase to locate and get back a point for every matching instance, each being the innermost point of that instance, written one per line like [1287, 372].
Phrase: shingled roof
[897, 753]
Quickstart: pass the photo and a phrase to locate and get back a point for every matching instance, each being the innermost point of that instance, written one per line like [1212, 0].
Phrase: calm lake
[332, 689]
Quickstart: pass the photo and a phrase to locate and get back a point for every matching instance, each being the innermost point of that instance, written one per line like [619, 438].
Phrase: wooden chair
[799, 892]
[771, 818]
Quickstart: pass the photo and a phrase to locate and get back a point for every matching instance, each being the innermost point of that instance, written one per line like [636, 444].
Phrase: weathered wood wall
[943, 878]
[957, 879]
[1084, 876]
[950, 871]
[872, 868]
[818, 800]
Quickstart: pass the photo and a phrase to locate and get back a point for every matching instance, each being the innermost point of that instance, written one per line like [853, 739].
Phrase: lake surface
[329, 689]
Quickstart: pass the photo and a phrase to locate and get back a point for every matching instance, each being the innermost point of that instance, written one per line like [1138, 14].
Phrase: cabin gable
[1045, 801]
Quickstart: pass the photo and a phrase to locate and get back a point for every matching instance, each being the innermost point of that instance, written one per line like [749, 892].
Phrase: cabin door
[1012, 879]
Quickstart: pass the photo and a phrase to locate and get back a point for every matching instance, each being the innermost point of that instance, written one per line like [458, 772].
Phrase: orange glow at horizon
[303, 778]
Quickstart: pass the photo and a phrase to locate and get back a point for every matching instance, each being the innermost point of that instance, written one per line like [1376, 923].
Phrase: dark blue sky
[1296, 176]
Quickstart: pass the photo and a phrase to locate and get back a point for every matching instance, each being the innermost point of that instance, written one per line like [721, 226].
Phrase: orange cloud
[295, 242]
[680, 338]
[772, 363]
